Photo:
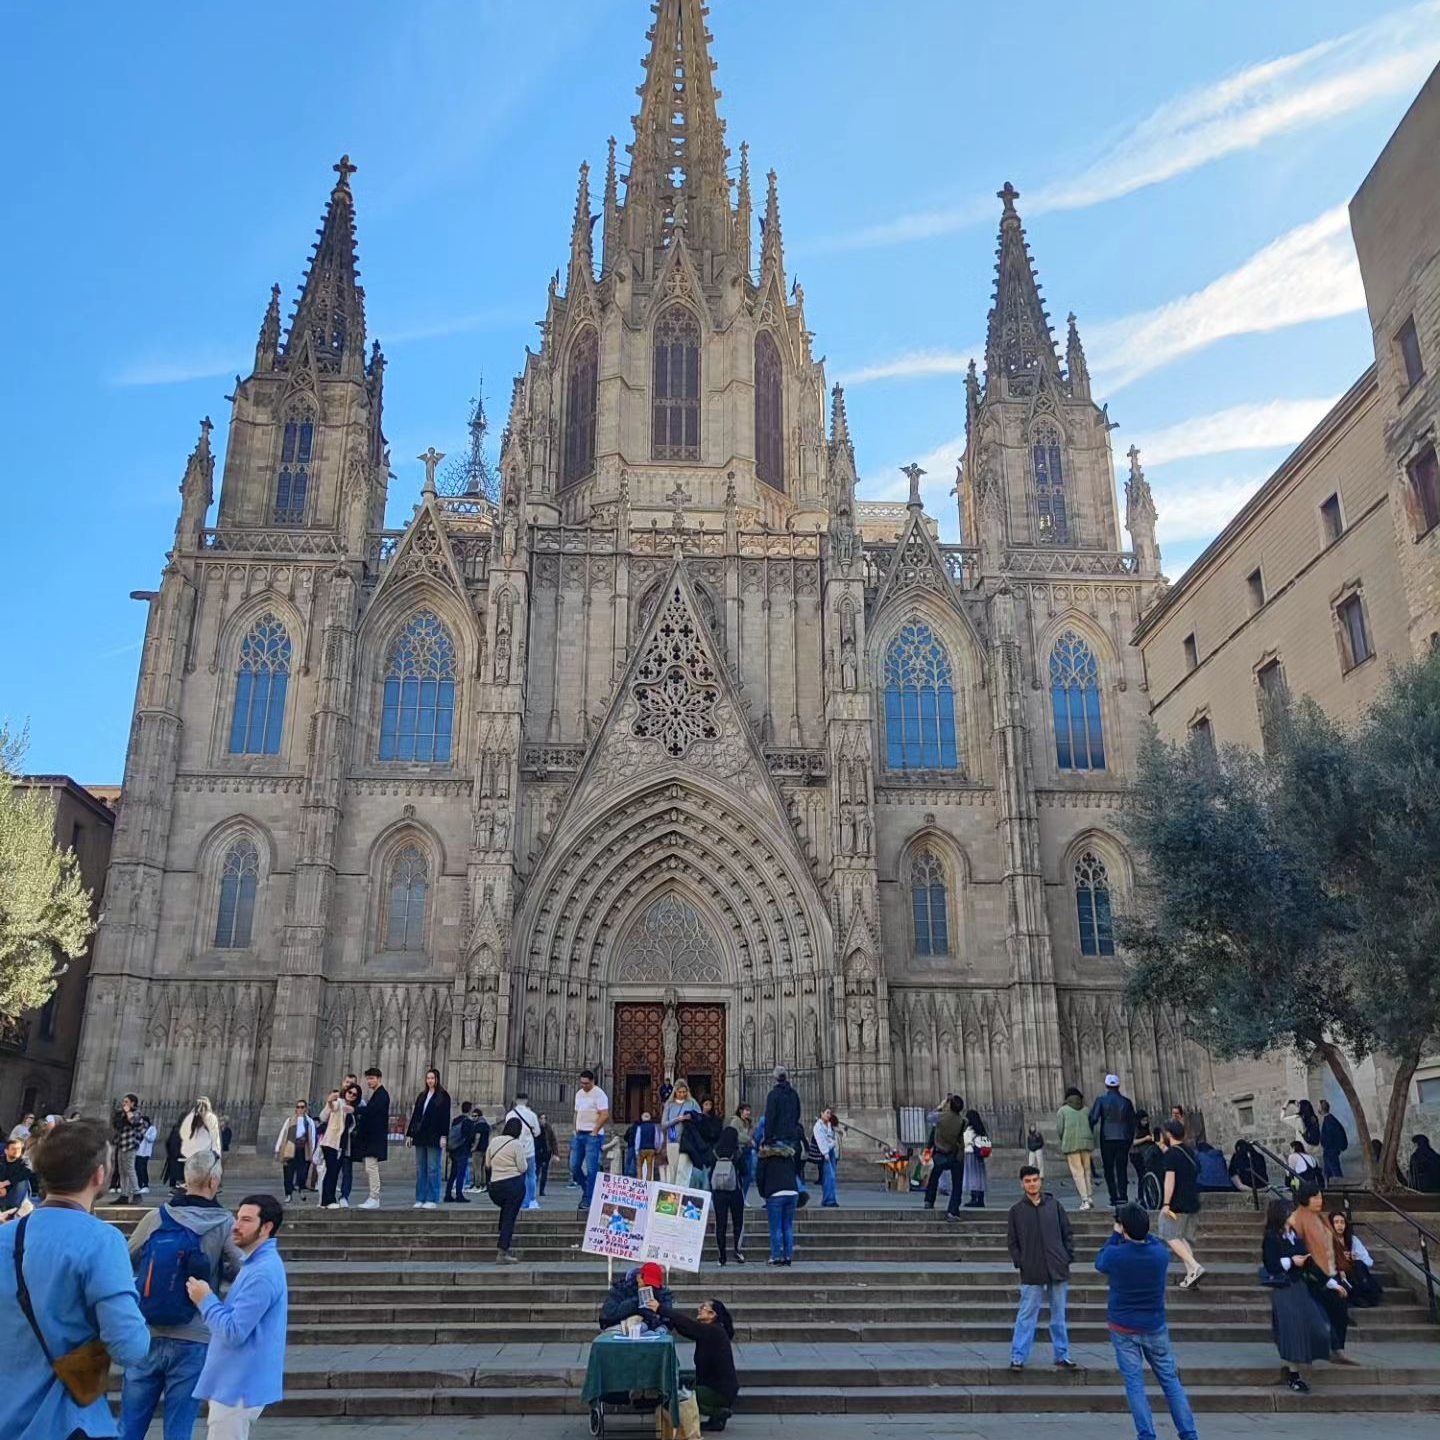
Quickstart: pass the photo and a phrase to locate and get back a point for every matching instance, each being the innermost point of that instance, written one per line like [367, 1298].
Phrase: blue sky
[1180, 168]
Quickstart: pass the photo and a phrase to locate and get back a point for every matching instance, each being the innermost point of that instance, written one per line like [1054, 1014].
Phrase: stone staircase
[887, 1309]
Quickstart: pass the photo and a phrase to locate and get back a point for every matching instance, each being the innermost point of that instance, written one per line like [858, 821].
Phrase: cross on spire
[1009, 194]
[345, 169]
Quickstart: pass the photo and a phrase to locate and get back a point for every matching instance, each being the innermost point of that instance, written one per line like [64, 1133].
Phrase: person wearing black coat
[370, 1140]
[1042, 1249]
[697, 1140]
[428, 1131]
[1297, 1323]
[782, 1115]
[174, 1160]
[713, 1333]
[778, 1182]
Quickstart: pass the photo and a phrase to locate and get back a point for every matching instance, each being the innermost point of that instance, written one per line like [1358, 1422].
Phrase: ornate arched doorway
[670, 949]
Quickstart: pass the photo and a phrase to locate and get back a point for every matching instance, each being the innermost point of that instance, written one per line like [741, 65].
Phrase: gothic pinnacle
[772, 248]
[331, 311]
[743, 209]
[1077, 369]
[1018, 340]
[580, 251]
[268, 345]
[610, 231]
[839, 422]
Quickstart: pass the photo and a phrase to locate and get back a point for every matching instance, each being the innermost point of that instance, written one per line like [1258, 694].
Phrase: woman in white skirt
[977, 1143]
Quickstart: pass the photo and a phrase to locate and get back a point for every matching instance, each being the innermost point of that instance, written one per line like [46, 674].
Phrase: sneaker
[333, 1205]
[344, 1203]
[505, 1257]
[773, 1261]
[418, 1205]
[788, 1263]
[371, 1204]
[533, 1205]
[1193, 1278]
[1017, 1365]
[722, 1260]
[739, 1258]
[1066, 1364]
[144, 1189]
[1087, 1204]
[428, 1205]
[1298, 1385]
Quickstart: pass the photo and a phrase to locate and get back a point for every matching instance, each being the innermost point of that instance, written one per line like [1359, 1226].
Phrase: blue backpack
[169, 1257]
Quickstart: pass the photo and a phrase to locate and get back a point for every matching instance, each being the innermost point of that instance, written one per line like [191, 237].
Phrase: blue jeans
[744, 1173]
[780, 1211]
[530, 1182]
[1032, 1297]
[171, 1368]
[428, 1167]
[1131, 1353]
[828, 1193]
[585, 1163]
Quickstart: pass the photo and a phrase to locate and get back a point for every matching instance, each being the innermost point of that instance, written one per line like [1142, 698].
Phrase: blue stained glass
[417, 715]
[920, 732]
[258, 717]
[239, 881]
[928, 905]
[409, 885]
[1092, 905]
[1075, 704]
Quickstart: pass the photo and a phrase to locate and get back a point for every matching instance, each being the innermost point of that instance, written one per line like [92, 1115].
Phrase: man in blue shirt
[1135, 1264]
[79, 1287]
[245, 1364]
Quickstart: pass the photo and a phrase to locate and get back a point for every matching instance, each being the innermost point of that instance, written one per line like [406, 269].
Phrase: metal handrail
[1426, 1236]
[1279, 1191]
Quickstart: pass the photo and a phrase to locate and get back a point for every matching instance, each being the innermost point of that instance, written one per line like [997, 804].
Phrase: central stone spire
[678, 180]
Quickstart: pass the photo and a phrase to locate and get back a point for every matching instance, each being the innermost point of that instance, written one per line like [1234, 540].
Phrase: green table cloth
[621, 1366]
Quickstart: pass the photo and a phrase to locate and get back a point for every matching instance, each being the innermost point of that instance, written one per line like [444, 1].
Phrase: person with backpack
[977, 1151]
[461, 1143]
[947, 1147]
[1304, 1168]
[647, 1144]
[186, 1238]
[726, 1197]
[1334, 1142]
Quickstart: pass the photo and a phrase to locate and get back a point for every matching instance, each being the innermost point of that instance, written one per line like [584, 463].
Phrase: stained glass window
[292, 484]
[1075, 700]
[1092, 905]
[409, 884]
[239, 880]
[769, 411]
[928, 905]
[260, 684]
[919, 702]
[1048, 465]
[581, 384]
[417, 717]
[675, 413]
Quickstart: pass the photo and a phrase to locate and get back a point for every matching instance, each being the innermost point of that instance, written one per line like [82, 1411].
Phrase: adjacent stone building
[37, 1050]
[671, 757]
[1330, 573]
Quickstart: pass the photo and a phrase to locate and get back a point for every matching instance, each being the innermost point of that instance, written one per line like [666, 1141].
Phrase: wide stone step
[947, 1400]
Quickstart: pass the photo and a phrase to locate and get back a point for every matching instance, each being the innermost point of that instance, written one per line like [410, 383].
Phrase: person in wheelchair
[1148, 1160]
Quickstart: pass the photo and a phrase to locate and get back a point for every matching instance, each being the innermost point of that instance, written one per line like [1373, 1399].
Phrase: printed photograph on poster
[675, 1232]
[618, 1217]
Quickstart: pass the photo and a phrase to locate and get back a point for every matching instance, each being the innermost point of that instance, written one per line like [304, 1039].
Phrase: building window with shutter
[1355, 647]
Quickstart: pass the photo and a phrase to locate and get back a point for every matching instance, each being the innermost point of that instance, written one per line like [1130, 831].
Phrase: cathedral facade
[671, 757]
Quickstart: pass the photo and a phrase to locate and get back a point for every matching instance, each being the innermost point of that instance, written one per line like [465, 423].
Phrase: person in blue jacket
[245, 1363]
[1135, 1263]
[79, 1286]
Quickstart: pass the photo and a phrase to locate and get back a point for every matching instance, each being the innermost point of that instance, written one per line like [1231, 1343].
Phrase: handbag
[84, 1371]
[982, 1147]
[1271, 1281]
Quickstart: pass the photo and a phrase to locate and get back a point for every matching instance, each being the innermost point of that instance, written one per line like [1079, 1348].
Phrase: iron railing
[1423, 1234]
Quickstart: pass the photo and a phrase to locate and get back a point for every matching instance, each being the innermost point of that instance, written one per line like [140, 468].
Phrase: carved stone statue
[852, 1030]
[869, 1025]
[812, 1035]
[670, 1034]
[470, 1022]
[849, 666]
[502, 659]
[502, 830]
[747, 1043]
[488, 1016]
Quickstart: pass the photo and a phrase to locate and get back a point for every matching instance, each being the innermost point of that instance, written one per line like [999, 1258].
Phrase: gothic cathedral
[672, 755]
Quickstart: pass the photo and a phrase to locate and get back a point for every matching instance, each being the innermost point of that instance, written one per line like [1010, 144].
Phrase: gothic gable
[424, 552]
[916, 564]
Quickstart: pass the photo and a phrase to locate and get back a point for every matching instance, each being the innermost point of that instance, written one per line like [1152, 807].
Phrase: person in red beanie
[623, 1300]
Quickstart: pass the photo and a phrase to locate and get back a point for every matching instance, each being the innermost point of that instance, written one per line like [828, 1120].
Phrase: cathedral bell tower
[305, 450]
[678, 365]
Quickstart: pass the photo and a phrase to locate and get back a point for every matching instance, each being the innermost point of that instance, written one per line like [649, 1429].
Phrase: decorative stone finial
[431, 460]
[914, 472]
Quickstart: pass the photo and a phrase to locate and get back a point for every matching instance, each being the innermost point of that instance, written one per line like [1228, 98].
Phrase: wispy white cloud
[1199, 512]
[1262, 426]
[911, 365]
[1389, 56]
[208, 364]
[1309, 273]
[496, 318]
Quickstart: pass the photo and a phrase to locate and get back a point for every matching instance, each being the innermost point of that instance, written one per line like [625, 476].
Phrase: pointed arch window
[581, 386]
[1075, 701]
[769, 412]
[1092, 905]
[919, 702]
[929, 905]
[675, 413]
[239, 881]
[1047, 460]
[408, 892]
[417, 717]
[292, 483]
[260, 684]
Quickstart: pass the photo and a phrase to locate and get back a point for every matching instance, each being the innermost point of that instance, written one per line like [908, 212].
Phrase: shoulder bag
[84, 1371]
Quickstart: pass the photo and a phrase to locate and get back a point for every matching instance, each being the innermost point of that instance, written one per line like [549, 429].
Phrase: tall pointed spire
[743, 216]
[772, 246]
[1140, 516]
[678, 157]
[197, 490]
[268, 345]
[1018, 343]
[582, 259]
[839, 423]
[1077, 368]
[610, 225]
[331, 312]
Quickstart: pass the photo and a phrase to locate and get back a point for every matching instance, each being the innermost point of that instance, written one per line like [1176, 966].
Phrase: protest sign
[619, 1214]
[675, 1234]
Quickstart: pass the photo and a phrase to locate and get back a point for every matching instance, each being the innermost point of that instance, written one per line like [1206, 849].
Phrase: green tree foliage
[1293, 899]
[44, 906]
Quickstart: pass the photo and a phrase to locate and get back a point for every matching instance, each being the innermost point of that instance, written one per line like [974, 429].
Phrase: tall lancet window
[292, 483]
[260, 684]
[928, 905]
[769, 411]
[409, 885]
[919, 702]
[1092, 905]
[581, 382]
[1048, 465]
[1075, 703]
[675, 414]
[417, 717]
[239, 880]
